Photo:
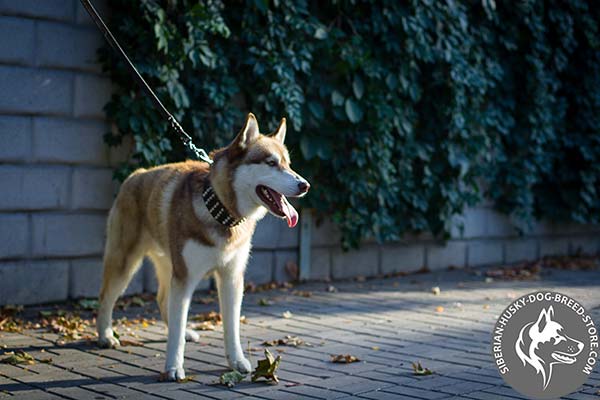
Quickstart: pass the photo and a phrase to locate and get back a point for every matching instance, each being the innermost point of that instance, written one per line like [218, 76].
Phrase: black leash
[185, 138]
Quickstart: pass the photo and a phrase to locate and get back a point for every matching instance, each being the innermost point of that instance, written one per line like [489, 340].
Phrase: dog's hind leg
[163, 267]
[122, 258]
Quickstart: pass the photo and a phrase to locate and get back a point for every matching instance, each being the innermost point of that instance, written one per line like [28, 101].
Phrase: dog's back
[138, 226]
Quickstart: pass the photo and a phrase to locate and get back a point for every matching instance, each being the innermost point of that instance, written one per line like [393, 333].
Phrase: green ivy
[401, 113]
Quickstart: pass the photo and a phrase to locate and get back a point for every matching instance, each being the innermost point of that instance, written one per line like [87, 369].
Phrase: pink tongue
[291, 215]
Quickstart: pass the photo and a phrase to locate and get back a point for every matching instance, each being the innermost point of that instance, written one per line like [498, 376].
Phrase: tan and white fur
[160, 213]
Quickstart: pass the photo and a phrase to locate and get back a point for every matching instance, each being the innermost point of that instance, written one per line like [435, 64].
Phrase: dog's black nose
[303, 186]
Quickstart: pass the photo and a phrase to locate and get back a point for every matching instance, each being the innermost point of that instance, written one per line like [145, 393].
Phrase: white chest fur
[201, 259]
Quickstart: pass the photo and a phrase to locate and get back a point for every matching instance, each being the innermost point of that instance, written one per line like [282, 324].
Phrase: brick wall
[55, 174]
[481, 236]
[55, 170]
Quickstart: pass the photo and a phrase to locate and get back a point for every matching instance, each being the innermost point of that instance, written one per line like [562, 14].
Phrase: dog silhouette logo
[545, 345]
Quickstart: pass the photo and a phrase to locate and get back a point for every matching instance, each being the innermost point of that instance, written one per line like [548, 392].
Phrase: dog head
[544, 343]
[257, 169]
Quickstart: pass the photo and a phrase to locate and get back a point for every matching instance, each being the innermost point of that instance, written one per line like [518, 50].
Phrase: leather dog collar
[217, 209]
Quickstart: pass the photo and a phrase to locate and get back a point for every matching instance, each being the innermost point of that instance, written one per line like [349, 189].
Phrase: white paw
[241, 364]
[108, 342]
[173, 374]
[191, 336]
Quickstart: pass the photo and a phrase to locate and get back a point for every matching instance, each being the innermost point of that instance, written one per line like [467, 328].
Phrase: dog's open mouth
[278, 204]
[563, 358]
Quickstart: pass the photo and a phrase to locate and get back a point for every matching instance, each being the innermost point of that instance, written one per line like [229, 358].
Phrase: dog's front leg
[230, 284]
[180, 296]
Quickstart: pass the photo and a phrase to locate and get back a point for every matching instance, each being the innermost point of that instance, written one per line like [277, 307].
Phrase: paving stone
[379, 395]
[416, 393]
[390, 313]
[464, 387]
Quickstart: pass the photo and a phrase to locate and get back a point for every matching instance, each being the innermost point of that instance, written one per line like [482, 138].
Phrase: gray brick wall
[54, 166]
[57, 177]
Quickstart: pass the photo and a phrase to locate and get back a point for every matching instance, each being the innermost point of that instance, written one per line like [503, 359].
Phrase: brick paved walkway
[387, 323]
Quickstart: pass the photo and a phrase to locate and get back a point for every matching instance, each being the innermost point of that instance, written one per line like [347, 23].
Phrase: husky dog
[193, 220]
[543, 343]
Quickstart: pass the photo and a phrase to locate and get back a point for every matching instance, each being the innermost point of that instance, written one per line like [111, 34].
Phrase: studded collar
[217, 209]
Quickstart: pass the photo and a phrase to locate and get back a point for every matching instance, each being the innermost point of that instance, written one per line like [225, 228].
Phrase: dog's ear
[544, 318]
[280, 132]
[248, 134]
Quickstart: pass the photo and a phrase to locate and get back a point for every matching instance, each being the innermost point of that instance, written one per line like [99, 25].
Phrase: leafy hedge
[402, 113]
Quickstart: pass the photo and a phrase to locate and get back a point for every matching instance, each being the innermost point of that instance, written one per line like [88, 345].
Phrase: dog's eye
[271, 163]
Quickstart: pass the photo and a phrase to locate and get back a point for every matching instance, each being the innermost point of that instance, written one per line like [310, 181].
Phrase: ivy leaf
[336, 98]
[353, 111]
[267, 368]
[230, 379]
[307, 150]
[320, 33]
[358, 87]
[316, 109]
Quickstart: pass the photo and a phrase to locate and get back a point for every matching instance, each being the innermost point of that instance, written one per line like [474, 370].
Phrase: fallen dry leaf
[89, 304]
[343, 358]
[419, 370]
[264, 302]
[17, 357]
[288, 340]
[291, 268]
[129, 342]
[230, 379]
[203, 326]
[439, 309]
[302, 293]
[267, 368]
